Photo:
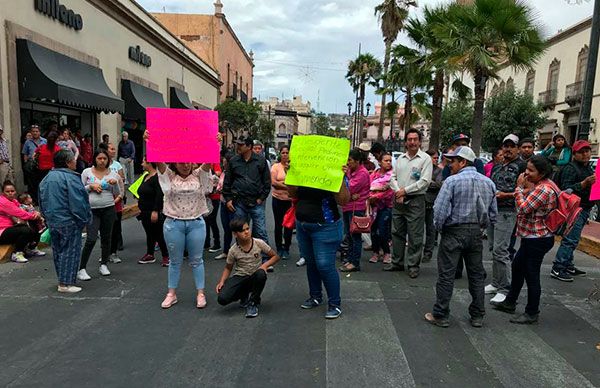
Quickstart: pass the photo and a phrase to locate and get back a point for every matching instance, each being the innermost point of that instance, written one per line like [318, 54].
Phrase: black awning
[137, 98]
[47, 75]
[180, 99]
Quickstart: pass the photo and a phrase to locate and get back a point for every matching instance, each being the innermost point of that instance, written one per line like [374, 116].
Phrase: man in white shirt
[410, 180]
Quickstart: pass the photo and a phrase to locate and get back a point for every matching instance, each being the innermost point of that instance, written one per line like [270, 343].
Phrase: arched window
[553, 72]
[530, 82]
[582, 60]
[510, 83]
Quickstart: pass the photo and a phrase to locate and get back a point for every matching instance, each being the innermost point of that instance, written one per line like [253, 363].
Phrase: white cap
[364, 146]
[464, 152]
[511, 137]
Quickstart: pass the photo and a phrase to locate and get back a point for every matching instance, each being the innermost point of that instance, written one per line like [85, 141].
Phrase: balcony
[573, 93]
[548, 98]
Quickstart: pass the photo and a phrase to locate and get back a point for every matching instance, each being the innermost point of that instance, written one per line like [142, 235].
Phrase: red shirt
[86, 153]
[46, 156]
[216, 167]
[533, 208]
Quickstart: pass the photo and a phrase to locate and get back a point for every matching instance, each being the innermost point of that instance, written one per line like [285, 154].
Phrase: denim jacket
[64, 200]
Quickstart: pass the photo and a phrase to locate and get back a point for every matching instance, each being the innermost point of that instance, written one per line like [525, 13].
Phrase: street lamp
[368, 108]
[349, 108]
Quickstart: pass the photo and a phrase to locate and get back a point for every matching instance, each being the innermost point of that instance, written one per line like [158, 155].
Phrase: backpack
[561, 219]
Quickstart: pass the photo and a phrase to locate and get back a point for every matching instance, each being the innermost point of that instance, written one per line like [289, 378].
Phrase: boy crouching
[249, 273]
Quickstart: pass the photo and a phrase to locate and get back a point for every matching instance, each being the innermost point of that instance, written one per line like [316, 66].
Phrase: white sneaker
[83, 275]
[104, 270]
[221, 256]
[69, 289]
[300, 262]
[34, 252]
[114, 259]
[499, 298]
[489, 289]
[18, 257]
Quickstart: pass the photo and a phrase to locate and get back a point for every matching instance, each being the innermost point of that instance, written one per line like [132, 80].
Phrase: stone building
[213, 39]
[292, 117]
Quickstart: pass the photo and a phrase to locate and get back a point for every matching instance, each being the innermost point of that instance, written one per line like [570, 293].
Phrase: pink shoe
[169, 301]
[201, 301]
[387, 258]
[374, 258]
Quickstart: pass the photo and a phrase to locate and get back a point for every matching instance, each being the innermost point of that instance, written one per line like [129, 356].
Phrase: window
[582, 60]
[228, 87]
[553, 75]
[510, 83]
[530, 82]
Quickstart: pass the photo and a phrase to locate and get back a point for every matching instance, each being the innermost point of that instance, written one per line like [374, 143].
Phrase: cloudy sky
[302, 47]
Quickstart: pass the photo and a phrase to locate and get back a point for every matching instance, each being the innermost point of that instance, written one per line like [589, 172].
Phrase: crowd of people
[399, 209]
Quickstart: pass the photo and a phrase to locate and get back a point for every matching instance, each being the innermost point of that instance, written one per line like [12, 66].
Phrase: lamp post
[583, 130]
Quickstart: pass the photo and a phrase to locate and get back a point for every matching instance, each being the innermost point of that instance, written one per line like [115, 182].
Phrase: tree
[391, 15]
[237, 116]
[510, 112]
[320, 125]
[487, 36]
[457, 117]
[263, 130]
[364, 70]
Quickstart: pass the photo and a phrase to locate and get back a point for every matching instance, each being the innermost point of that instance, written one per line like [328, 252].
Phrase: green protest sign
[136, 185]
[316, 161]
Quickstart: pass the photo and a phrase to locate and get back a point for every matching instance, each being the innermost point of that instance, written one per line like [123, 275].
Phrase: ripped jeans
[182, 235]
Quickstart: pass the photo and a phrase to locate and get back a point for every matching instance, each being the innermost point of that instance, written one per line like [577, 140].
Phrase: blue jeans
[564, 255]
[381, 232]
[259, 220]
[354, 240]
[181, 235]
[225, 219]
[318, 244]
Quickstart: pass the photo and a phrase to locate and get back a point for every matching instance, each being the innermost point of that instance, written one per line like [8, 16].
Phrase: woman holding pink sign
[185, 188]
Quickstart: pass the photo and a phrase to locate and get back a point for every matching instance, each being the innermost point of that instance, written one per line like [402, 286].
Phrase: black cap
[244, 140]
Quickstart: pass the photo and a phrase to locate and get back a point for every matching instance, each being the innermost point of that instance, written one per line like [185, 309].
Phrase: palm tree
[364, 70]
[487, 36]
[391, 14]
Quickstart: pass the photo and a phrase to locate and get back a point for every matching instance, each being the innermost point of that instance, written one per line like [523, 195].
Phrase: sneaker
[221, 256]
[114, 259]
[504, 306]
[83, 275]
[574, 271]
[311, 303]
[300, 262]
[374, 258]
[387, 258]
[165, 262]
[38, 253]
[251, 310]
[18, 257]
[169, 301]
[489, 289]
[476, 322]
[333, 312]
[146, 259]
[244, 302]
[270, 268]
[104, 270]
[499, 298]
[561, 275]
[69, 289]
[524, 319]
[214, 248]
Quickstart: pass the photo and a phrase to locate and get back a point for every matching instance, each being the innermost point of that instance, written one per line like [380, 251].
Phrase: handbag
[361, 224]
[289, 219]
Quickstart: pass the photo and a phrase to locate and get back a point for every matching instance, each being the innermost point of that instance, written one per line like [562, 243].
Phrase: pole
[583, 130]
[355, 119]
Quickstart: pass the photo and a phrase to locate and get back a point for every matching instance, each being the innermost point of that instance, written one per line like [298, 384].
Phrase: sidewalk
[590, 239]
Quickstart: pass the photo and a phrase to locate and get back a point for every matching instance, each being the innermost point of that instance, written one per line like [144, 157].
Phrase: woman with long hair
[65, 142]
[535, 197]
[102, 186]
[557, 152]
[44, 155]
[381, 199]
[281, 203]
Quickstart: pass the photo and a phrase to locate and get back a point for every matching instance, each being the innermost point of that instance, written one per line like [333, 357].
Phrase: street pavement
[114, 333]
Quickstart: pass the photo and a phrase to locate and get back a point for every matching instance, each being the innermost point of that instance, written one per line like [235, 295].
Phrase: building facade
[212, 38]
[94, 66]
[292, 117]
[556, 81]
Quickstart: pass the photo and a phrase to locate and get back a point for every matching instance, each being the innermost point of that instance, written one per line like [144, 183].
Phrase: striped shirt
[533, 208]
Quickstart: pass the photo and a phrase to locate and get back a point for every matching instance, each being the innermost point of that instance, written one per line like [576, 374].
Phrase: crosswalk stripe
[517, 355]
[362, 347]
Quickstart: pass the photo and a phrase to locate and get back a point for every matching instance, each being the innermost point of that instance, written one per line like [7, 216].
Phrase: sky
[302, 47]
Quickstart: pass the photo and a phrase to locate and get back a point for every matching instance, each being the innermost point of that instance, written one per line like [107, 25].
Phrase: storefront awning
[180, 99]
[47, 75]
[137, 98]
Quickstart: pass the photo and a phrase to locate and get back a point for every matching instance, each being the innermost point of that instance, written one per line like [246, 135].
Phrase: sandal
[201, 301]
[169, 301]
[349, 268]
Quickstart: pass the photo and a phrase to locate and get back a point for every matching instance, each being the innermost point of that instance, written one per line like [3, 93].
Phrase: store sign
[136, 55]
[56, 11]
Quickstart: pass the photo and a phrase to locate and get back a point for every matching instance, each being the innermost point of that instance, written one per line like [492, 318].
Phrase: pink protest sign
[182, 135]
[595, 194]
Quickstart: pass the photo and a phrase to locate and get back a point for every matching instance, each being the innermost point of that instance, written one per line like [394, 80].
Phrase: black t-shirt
[151, 195]
[316, 206]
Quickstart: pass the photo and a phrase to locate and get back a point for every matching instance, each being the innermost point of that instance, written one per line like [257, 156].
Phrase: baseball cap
[512, 138]
[366, 147]
[257, 142]
[581, 144]
[463, 152]
[461, 136]
[244, 140]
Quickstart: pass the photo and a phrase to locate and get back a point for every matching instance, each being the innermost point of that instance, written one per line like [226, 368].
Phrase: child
[27, 204]
[249, 274]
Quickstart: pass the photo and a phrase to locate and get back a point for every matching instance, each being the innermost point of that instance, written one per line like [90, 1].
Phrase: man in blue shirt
[465, 205]
[127, 157]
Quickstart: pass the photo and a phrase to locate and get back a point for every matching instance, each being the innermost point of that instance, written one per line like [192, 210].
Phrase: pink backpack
[561, 219]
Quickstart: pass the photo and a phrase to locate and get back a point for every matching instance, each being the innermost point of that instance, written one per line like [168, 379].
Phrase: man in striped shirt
[465, 205]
